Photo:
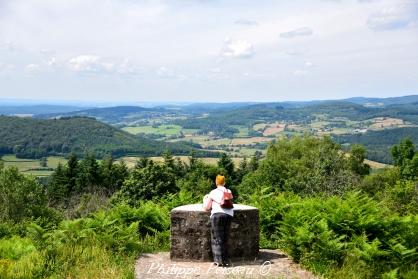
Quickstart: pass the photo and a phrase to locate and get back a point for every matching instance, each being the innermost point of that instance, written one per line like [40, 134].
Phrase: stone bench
[190, 233]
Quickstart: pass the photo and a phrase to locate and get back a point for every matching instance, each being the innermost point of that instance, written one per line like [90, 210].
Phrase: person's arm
[207, 203]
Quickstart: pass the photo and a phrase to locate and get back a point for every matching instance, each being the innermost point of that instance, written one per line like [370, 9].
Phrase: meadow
[165, 130]
[33, 166]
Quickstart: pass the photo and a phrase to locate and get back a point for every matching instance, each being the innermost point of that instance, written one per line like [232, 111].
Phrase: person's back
[220, 218]
[215, 197]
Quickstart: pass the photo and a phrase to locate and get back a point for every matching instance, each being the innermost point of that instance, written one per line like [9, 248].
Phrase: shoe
[217, 264]
[227, 263]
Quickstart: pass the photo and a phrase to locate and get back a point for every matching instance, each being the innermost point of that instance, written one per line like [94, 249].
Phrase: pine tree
[254, 162]
[227, 165]
[58, 186]
[71, 172]
[88, 174]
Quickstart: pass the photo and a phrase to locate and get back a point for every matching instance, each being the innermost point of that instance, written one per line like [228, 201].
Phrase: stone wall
[190, 233]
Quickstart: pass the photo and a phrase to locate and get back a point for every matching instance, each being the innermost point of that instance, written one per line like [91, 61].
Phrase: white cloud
[300, 73]
[244, 21]
[6, 68]
[8, 45]
[52, 62]
[296, 52]
[215, 70]
[87, 63]
[126, 68]
[299, 32]
[394, 17]
[237, 49]
[308, 64]
[186, 40]
[164, 72]
[33, 68]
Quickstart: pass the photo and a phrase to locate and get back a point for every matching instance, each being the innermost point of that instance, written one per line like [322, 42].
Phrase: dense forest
[378, 143]
[36, 138]
[326, 210]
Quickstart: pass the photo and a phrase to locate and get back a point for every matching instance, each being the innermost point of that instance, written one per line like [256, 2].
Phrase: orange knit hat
[220, 180]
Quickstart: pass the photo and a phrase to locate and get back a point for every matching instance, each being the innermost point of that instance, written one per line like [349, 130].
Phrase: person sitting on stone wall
[219, 201]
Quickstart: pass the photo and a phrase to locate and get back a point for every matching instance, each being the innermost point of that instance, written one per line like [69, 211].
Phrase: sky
[207, 50]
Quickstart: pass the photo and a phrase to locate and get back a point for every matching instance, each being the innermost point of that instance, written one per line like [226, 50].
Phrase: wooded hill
[35, 138]
[115, 115]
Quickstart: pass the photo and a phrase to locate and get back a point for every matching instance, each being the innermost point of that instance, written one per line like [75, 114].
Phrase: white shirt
[214, 199]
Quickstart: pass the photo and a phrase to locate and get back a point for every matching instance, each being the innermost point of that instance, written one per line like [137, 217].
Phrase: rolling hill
[114, 115]
[34, 138]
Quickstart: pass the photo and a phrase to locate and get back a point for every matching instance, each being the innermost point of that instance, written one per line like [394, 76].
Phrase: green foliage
[21, 197]
[379, 181]
[148, 182]
[356, 160]
[199, 178]
[402, 197]
[302, 189]
[405, 157]
[304, 165]
[103, 245]
[336, 234]
[85, 176]
[227, 168]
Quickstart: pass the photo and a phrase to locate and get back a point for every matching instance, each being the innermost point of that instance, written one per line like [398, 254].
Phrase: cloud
[164, 72]
[8, 45]
[126, 68]
[308, 64]
[97, 65]
[394, 17]
[6, 68]
[296, 52]
[237, 49]
[300, 73]
[52, 62]
[300, 32]
[90, 63]
[215, 70]
[33, 68]
[243, 21]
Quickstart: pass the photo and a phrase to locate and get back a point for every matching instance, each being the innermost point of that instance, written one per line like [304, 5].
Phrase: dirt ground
[270, 264]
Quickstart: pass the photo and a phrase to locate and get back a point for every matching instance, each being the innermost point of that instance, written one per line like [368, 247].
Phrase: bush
[303, 165]
[332, 235]
[21, 197]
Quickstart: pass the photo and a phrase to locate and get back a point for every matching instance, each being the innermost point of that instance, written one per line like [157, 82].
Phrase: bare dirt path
[270, 264]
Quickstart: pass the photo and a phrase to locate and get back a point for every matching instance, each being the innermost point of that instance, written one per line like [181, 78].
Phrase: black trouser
[221, 224]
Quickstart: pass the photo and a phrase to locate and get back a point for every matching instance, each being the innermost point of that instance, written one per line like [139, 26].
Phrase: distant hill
[34, 138]
[36, 109]
[384, 101]
[113, 115]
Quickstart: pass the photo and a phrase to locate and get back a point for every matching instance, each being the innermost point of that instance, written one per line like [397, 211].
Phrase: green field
[166, 130]
[32, 166]
[243, 131]
[131, 160]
